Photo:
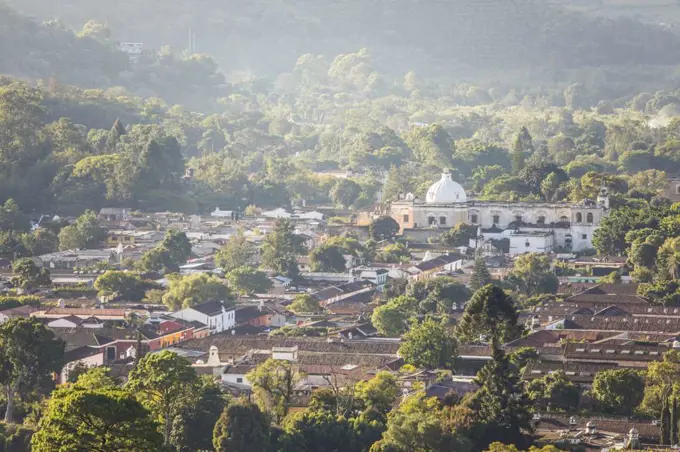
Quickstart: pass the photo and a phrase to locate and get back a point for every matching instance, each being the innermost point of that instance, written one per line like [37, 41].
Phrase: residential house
[21, 311]
[430, 268]
[112, 214]
[376, 275]
[70, 259]
[84, 356]
[211, 313]
[261, 315]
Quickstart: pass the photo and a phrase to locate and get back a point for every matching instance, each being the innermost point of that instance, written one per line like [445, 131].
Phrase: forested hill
[432, 36]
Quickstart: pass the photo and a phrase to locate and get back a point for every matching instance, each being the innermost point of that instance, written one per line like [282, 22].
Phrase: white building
[212, 313]
[543, 225]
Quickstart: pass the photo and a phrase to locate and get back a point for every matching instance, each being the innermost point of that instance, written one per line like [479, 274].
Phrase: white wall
[91, 361]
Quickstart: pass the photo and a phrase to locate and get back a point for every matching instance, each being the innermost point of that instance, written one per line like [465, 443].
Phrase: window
[405, 219]
[677, 189]
[579, 217]
[564, 218]
[518, 218]
[473, 219]
[431, 220]
[541, 220]
[584, 236]
[110, 353]
[442, 220]
[496, 219]
[239, 380]
[589, 217]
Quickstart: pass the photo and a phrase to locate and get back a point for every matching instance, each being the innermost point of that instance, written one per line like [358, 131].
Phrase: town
[316, 226]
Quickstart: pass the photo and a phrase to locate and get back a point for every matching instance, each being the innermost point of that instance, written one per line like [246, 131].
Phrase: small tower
[603, 197]
[633, 440]
[591, 428]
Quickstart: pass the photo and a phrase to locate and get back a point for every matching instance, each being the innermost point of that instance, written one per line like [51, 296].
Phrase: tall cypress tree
[665, 418]
[480, 275]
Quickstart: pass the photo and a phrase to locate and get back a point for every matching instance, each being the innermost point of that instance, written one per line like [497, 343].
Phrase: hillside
[438, 37]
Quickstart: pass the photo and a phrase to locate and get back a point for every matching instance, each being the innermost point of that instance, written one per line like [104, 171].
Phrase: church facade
[527, 226]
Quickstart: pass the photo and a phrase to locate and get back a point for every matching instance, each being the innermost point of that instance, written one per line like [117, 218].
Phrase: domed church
[528, 226]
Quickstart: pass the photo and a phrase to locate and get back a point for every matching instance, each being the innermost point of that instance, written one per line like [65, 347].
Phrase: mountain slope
[431, 36]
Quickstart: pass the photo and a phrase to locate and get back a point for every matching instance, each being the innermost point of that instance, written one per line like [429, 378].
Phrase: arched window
[442, 220]
[541, 220]
[579, 217]
[431, 220]
[589, 217]
[564, 218]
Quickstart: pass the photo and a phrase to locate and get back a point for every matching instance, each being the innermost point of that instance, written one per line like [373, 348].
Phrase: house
[70, 259]
[84, 356]
[377, 276]
[211, 313]
[113, 214]
[429, 268]
[21, 311]
[337, 293]
[227, 214]
[261, 315]
[73, 321]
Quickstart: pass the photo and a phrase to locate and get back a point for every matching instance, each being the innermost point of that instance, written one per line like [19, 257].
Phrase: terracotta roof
[209, 308]
[610, 352]
[576, 372]
[241, 345]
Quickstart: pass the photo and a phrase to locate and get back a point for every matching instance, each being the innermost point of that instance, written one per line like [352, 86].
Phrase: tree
[128, 286]
[242, 427]
[480, 275]
[378, 394]
[660, 376]
[618, 391]
[389, 320]
[554, 391]
[531, 275]
[522, 146]
[459, 235]
[274, 383]
[83, 234]
[345, 192]
[192, 428]
[280, 248]
[102, 420]
[247, 280]
[305, 303]
[443, 291]
[237, 252]
[417, 426]
[501, 406]
[383, 228]
[40, 241]
[158, 259]
[312, 431]
[190, 290]
[428, 345]
[29, 353]
[165, 383]
[490, 313]
[325, 258]
[178, 245]
[12, 219]
[28, 275]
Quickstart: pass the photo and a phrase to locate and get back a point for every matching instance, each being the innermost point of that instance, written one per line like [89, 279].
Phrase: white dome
[446, 191]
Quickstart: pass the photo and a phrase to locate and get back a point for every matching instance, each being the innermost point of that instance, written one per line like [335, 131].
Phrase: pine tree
[522, 146]
[116, 132]
[501, 404]
[480, 275]
[665, 418]
[674, 418]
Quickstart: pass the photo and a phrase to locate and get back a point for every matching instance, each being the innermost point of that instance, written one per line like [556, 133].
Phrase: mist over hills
[433, 37]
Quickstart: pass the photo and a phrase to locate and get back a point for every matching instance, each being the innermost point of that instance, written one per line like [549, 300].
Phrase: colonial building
[527, 226]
